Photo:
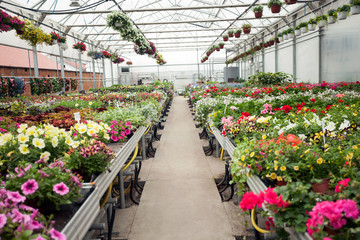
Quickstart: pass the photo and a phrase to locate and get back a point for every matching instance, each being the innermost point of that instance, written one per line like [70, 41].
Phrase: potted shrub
[321, 20]
[332, 16]
[343, 11]
[312, 24]
[258, 11]
[290, 32]
[355, 7]
[289, 2]
[297, 31]
[221, 45]
[225, 37]
[275, 5]
[238, 33]
[246, 28]
[303, 27]
[216, 47]
[231, 33]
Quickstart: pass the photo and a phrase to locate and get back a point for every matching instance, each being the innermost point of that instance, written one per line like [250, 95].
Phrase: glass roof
[170, 24]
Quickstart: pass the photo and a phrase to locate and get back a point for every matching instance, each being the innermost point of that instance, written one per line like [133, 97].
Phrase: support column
[104, 77]
[263, 54]
[62, 67]
[36, 66]
[112, 73]
[80, 73]
[294, 49]
[321, 30]
[94, 75]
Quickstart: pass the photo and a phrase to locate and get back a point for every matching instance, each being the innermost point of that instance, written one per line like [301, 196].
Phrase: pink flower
[340, 95]
[113, 122]
[56, 235]
[327, 238]
[39, 238]
[127, 131]
[250, 200]
[15, 197]
[61, 189]
[29, 187]
[3, 220]
[342, 184]
[114, 138]
[128, 124]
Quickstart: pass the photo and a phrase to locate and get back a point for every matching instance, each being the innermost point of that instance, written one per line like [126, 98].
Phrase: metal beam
[179, 22]
[170, 9]
[177, 37]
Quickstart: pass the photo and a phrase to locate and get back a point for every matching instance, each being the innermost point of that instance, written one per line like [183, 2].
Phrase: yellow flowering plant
[91, 130]
[35, 35]
[33, 143]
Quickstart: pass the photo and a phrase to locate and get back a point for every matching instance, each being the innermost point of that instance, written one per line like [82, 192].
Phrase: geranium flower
[61, 188]
[29, 187]
[56, 235]
[342, 184]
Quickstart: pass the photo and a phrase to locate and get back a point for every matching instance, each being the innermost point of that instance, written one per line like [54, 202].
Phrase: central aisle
[180, 199]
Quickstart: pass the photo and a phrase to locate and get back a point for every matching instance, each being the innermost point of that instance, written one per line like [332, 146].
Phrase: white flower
[69, 141]
[330, 127]
[91, 132]
[302, 137]
[22, 138]
[55, 141]
[344, 125]
[22, 127]
[39, 143]
[75, 144]
[45, 156]
[24, 149]
[5, 138]
[82, 128]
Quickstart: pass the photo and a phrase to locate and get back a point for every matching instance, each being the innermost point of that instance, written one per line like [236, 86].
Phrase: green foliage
[332, 13]
[355, 2]
[322, 17]
[290, 30]
[274, 2]
[303, 24]
[312, 21]
[246, 25]
[344, 8]
[266, 79]
[80, 104]
[258, 8]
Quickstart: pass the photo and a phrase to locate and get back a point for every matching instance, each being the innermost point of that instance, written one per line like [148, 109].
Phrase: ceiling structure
[170, 24]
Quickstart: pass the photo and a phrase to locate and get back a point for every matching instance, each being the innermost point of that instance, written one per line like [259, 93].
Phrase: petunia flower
[29, 187]
[61, 189]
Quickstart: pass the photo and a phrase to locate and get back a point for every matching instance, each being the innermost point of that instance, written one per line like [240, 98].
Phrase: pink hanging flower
[29, 187]
[61, 189]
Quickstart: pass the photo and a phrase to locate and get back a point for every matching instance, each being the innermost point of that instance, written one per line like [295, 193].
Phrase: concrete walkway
[180, 199]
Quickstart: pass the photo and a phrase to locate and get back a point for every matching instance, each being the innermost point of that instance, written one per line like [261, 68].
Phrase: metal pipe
[36, 66]
[112, 73]
[80, 73]
[93, 64]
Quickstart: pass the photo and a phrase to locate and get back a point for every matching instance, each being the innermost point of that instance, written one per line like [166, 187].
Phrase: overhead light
[74, 3]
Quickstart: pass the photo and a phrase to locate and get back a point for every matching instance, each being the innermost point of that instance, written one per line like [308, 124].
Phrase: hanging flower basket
[246, 28]
[289, 2]
[258, 14]
[277, 40]
[221, 45]
[297, 32]
[225, 38]
[238, 33]
[80, 46]
[321, 187]
[355, 9]
[275, 8]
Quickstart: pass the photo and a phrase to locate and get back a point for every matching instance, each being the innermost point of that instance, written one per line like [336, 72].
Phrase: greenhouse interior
[180, 119]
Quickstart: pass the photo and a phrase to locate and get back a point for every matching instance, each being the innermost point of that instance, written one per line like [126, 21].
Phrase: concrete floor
[180, 199]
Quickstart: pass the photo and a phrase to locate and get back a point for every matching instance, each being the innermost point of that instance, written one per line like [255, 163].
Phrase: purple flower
[15, 197]
[29, 187]
[56, 235]
[3, 220]
[61, 188]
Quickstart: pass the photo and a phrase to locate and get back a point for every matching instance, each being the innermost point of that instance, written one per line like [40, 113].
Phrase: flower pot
[275, 8]
[297, 32]
[271, 42]
[321, 187]
[331, 19]
[291, 35]
[231, 34]
[289, 2]
[221, 46]
[355, 10]
[277, 40]
[63, 46]
[246, 30]
[19, 32]
[342, 15]
[322, 23]
[218, 49]
[225, 39]
[258, 14]
[281, 183]
[303, 29]
[311, 27]
[237, 35]
[285, 37]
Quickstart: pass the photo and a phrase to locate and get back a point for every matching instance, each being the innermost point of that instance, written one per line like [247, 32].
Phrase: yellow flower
[242, 158]
[279, 178]
[247, 151]
[296, 168]
[276, 152]
[273, 176]
[282, 168]
[39, 143]
[22, 138]
[276, 168]
[24, 149]
[252, 154]
[355, 147]
[319, 161]
[10, 153]
[263, 136]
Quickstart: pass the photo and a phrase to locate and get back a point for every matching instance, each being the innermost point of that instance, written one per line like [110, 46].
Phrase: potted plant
[297, 31]
[80, 46]
[231, 33]
[246, 28]
[272, 41]
[289, 2]
[221, 45]
[258, 11]
[279, 37]
[225, 37]
[290, 32]
[343, 11]
[238, 33]
[312, 24]
[54, 37]
[216, 47]
[321, 20]
[303, 27]
[275, 5]
[355, 7]
[285, 35]
[332, 16]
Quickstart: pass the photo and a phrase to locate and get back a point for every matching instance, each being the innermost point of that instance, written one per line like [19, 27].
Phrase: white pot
[297, 32]
[291, 35]
[63, 46]
[311, 27]
[342, 15]
[322, 23]
[331, 19]
[303, 29]
[355, 10]
[286, 37]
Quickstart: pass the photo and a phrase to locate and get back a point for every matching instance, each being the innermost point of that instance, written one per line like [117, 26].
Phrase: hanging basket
[311, 27]
[322, 23]
[237, 35]
[355, 10]
[342, 15]
[285, 37]
[331, 19]
[221, 46]
[275, 8]
[246, 30]
[291, 35]
[321, 187]
[225, 39]
[289, 2]
[258, 14]
[297, 32]
[303, 29]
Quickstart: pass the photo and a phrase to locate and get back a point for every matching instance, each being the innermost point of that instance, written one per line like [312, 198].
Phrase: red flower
[342, 184]
[246, 95]
[340, 101]
[328, 107]
[313, 100]
[313, 110]
[286, 108]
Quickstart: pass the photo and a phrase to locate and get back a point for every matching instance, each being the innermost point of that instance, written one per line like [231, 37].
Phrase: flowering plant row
[40, 86]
